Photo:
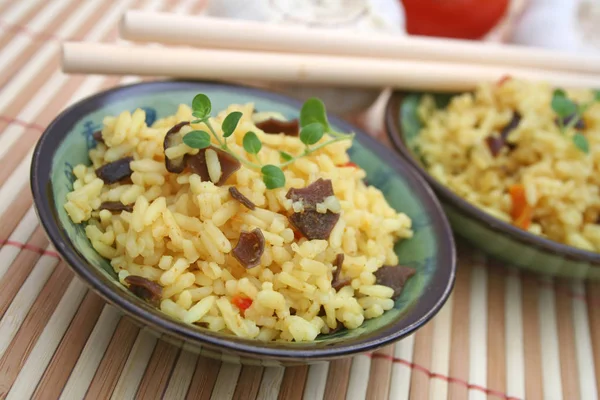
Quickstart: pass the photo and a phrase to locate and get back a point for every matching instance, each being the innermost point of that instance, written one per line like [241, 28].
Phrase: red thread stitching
[542, 283]
[28, 31]
[448, 379]
[559, 289]
[25, 124]
[417, 367]
[30, 247]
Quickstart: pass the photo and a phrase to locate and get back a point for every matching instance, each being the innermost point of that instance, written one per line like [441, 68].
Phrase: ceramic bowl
[431, 251]
[495, 237]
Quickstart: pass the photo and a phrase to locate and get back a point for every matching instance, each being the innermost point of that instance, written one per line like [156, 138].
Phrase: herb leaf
[201, 106]
[596, 95]
[251, 143]
[313, 110]
[273, 176]
[311, 133]
[230, 123]
[197, 139]
[581, 143]
[313, 120]
[562, 105]
[559, 92]
[285, 156]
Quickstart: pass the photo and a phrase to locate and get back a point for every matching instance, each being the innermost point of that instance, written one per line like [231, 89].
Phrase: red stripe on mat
[448, 379]
[24, 29]
[29, 247]
[511, 271]
[409, 364]
[549, 285]
[26, 246]
[10, 120]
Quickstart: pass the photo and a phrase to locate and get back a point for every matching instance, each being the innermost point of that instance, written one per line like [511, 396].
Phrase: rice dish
[221, 250]
[524, 153]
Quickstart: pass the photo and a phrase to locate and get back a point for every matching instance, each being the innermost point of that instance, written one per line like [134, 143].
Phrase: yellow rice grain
[199, 310]
[184, 299]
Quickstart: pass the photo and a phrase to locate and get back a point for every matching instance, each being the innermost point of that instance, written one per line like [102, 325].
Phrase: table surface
[502, 334]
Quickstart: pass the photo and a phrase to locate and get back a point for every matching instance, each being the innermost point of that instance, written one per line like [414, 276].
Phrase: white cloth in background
[363, 15]
[380, 15]
[567, 25]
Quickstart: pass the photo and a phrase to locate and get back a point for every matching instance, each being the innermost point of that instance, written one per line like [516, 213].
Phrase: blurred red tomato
[462, 19]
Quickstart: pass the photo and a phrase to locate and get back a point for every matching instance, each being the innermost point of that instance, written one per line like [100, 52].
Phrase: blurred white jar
[357, 15]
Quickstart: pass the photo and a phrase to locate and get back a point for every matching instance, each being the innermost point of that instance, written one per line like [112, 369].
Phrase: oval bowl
[495, 237]
[431, 251]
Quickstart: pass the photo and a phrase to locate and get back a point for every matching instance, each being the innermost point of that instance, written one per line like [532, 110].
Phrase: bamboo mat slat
[502, 335]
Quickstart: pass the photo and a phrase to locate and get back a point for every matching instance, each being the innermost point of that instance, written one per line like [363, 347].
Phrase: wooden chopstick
[209, 32]
[298, 68]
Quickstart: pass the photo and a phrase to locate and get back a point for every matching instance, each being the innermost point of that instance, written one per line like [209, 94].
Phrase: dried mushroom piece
[314, 225]
[115, 171]
[496, 143]
[116, 206]
[229, 164]
[144, 289]
[311, 223]
[172, 139]
[98, 136]
[336, 282]
[313, 194]
[337, 328]
[250, 248]
[273, 125]
[236, 194]
[394, 277]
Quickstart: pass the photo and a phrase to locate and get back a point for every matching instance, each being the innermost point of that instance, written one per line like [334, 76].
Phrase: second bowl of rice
[517, 179]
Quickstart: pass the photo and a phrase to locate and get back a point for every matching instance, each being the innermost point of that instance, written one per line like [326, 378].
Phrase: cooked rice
[561, 181]
[181, 232]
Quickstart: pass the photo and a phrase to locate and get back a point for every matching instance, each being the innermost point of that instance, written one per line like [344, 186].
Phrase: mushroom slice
[250, 248]
[115, 171]
[336, 282]
[273, 125]
[172, 139]
[116, 206]
[236, 194]
[144, 289]
[394, 277]
[229, 164]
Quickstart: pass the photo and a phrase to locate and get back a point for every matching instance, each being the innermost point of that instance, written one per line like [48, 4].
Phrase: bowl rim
[396, 134]
[40, 175]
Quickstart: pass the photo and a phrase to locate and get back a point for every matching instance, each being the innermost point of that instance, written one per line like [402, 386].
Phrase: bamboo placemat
[502, 334]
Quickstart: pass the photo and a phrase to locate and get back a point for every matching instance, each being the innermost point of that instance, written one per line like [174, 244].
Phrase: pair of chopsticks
[245, 50]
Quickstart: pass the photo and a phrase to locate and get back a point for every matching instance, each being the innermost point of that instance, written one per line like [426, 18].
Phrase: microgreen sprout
[569, 114]
[313, 127]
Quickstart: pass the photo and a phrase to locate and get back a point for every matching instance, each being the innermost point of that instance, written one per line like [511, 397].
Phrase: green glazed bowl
[495, 237]
[66, 142]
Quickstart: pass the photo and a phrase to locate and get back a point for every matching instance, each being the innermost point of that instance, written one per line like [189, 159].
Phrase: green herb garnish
[252, 143]
[570, 112]
[230, 123]
[311, 133]
[581, 142]
[285, 156]
[197, 139]
[201, 107]
[313, 122]
[273, 176]
[312, 111]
